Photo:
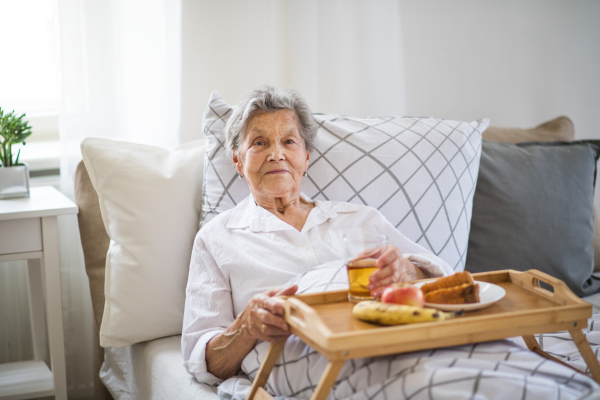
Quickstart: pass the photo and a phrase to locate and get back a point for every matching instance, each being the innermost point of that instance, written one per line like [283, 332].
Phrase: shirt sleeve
[208, 311]
[414, 252]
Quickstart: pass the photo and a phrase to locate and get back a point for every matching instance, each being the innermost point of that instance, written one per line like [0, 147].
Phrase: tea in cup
[360, 264]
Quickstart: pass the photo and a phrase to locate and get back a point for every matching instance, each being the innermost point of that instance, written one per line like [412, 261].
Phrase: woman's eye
[289, 141]
[259, 143]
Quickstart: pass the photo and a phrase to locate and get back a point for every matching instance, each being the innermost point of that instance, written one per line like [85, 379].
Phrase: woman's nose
[277, 152]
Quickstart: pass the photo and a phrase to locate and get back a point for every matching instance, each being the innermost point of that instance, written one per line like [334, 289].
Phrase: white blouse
[247, 250]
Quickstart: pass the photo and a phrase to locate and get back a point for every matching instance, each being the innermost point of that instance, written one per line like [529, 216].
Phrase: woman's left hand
[392, 267]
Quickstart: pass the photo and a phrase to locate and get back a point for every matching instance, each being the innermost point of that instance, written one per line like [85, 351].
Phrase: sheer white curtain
[142, 70]
[121, 63]
[120, 71]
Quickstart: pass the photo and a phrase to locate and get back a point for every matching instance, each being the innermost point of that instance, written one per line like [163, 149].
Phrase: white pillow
[150, 204]
[420, 173]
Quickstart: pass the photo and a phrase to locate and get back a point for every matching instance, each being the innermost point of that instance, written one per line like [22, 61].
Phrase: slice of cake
[459, 288]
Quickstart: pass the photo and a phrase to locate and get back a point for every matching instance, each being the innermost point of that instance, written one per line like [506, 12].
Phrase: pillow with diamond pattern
[420, 173]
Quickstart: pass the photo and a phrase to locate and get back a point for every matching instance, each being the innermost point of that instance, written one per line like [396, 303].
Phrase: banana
[397, 314]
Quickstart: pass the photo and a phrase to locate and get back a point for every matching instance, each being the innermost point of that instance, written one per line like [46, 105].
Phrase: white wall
[344, 56]
[516, 62]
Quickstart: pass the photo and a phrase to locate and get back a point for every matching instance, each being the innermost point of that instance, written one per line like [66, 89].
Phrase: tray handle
[301, 316]
[531, 279]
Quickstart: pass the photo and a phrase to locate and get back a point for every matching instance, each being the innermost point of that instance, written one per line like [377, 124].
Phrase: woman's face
[272, 156]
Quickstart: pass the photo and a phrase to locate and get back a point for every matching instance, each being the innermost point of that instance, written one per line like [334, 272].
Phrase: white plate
[488, 295]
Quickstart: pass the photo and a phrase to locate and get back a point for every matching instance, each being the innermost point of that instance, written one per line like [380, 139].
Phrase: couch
[153, 369]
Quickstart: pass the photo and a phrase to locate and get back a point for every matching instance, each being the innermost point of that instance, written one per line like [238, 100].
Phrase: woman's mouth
[277, 171]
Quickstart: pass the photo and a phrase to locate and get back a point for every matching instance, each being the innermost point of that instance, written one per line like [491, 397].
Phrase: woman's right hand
[263, 317]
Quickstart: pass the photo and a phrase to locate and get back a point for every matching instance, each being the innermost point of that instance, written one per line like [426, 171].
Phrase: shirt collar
[248, 214]
[325, 210]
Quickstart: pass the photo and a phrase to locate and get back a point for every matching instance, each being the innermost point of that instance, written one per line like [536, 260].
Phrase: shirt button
[305, 247]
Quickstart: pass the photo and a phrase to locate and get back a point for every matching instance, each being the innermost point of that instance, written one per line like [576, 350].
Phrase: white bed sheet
[151, 370]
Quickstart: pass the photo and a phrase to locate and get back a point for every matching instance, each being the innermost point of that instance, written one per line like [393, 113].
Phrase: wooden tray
[325, 322]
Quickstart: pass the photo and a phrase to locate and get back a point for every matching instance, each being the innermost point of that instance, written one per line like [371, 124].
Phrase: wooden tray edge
[314, 330]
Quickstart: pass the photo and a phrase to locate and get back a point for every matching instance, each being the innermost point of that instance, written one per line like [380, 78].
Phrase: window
[29, 68]
[29, 75]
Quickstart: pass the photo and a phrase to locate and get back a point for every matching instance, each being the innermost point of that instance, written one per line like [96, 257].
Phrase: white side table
[28, 231]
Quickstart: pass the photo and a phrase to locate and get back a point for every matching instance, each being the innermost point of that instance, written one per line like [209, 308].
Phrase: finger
[272, 292]
[377, 292]
[381, 273]
[265, 300]
[381, 283]
[389, 255]
[261, 334]
[372, 252]
[286, 291]
[269, 333]
[278, 291]
[383, 277]
[271, 330]
[368, 253]
[273, 306]
[265, 317]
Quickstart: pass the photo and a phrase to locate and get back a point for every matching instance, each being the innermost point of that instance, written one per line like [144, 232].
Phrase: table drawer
[20, 235]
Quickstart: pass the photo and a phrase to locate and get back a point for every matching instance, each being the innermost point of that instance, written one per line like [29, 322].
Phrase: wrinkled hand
[263, 316]
[392, 268]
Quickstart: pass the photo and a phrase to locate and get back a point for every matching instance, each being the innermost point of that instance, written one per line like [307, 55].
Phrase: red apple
[403, 293]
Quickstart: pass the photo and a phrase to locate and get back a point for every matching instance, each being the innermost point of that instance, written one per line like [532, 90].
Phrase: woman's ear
[237, 162]
[307, 159]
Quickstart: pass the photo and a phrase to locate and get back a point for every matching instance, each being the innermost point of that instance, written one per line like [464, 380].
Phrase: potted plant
[14, 176]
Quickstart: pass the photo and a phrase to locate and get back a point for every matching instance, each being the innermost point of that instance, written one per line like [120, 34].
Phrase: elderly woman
[247, 255]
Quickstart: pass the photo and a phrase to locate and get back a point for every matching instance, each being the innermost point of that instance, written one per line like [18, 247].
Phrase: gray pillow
[534, 209]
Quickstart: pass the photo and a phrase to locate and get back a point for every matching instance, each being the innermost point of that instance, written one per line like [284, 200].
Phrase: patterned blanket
[493, 370]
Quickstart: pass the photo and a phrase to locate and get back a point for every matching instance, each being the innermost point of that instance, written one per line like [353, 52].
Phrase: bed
[142, 358]
[153, 369]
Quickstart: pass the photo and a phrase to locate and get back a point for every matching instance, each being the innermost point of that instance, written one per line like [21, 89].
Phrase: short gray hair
[270, 99]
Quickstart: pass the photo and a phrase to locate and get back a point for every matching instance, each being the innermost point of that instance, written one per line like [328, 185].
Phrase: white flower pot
[14, 182]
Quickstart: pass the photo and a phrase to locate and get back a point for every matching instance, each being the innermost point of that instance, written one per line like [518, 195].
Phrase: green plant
[13, 130]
